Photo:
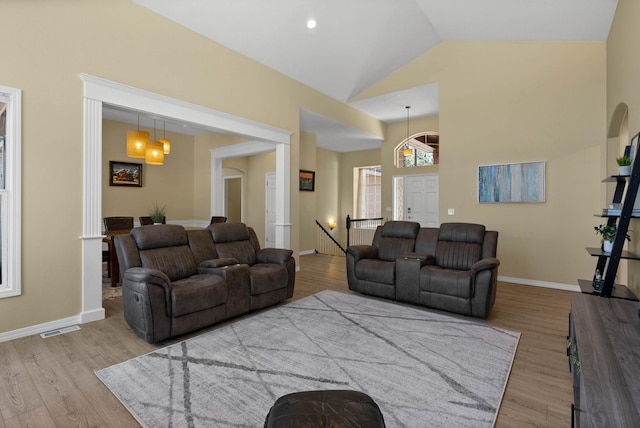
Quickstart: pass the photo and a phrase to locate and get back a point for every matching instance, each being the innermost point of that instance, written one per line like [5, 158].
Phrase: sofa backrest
[165, 247]
[490, 244]
[427, 240]
[202, 245]
[396, 239]
[459, 245]
[232, 240]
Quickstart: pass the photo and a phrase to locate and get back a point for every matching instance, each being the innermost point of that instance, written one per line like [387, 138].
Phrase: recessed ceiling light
[311, 24]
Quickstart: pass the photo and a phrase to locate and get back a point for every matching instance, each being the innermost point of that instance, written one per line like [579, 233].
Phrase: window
[369, 196]
[420, 150]
[10, 200]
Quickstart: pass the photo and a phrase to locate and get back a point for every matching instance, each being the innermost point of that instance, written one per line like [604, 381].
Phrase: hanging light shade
[407, 151]
[155, 153]
[137, 143]
[166, 144]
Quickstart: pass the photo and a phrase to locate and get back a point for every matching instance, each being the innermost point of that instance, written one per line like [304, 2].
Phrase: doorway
[416, 199]
[233, 197]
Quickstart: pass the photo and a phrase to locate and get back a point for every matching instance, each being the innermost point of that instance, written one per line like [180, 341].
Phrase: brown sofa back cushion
[232, 240]
[165, 247]
[397, 239]
[459, 245]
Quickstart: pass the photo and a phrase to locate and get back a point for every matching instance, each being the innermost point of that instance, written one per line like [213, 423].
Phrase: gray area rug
[423, 369]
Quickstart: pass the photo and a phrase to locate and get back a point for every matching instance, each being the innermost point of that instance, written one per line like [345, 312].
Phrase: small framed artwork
[512, 182]
[125, 174]
[307, 180]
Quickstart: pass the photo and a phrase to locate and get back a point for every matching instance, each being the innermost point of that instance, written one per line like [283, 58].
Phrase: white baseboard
[306, 252]
[39, 328]
[545, 284]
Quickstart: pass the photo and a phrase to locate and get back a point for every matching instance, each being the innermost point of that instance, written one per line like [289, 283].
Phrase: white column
[217, 187]
[91, 231]
[283, 196]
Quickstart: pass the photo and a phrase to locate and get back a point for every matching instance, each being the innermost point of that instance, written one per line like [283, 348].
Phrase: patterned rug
[422, 368]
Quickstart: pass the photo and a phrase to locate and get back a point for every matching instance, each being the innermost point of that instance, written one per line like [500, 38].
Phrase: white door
[270, 211]
[421, 200]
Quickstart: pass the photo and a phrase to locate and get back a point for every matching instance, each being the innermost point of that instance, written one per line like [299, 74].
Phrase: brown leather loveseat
[451, 268]
[176, 281]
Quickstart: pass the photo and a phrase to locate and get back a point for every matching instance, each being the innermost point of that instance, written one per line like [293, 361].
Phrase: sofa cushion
[176, 262]
[396, 239]
[242, 251]
[376, 271]
[267, 277]
[451, 282]
[162, 235]
[459, 245]
[196, 293]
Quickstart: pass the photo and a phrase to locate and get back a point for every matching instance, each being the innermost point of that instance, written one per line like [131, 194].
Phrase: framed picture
[511, 182]
[125, 174]
[307, 180]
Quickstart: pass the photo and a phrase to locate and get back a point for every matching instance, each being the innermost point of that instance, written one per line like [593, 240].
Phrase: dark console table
[604, 358]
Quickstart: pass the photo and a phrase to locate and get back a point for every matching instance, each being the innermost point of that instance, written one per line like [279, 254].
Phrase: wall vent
[59, 331]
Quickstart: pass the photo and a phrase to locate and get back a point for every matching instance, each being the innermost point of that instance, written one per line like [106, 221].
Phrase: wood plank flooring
[51, 382]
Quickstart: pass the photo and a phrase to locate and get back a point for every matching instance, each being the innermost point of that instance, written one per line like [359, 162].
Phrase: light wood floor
[51, 382]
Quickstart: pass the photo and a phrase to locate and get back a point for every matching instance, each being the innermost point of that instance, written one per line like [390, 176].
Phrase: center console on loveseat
[176, 281]
[452, 268]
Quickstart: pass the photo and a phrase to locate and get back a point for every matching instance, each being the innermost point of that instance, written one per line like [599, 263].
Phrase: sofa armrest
[484, 264]
[428, 259]
[408, 279]
[138, 278]
[217, 263]
[363, 252]
[237, 277]
[273, 255]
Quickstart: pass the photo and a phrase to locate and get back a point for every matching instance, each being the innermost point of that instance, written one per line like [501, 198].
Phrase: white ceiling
[357, 43]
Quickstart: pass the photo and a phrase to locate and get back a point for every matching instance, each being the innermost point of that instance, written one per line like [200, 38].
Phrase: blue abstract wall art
[512, 182]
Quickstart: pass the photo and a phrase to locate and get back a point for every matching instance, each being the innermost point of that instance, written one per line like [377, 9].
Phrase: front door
[421, 200]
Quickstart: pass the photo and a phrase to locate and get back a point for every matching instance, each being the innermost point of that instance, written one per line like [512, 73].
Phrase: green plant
[157, 213]
[623, 161]
[609, 231]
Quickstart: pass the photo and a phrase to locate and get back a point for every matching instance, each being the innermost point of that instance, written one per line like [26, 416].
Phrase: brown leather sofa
[452, 268]
[176, 281]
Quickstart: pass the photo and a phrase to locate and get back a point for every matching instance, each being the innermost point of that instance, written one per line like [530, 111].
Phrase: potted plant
[624, 165]
[157, 213]
[608, 232]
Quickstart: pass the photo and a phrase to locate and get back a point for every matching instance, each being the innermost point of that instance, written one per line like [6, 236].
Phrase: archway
[98, 91]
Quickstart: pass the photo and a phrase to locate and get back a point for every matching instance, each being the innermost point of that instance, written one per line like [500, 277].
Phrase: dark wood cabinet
[604, 357]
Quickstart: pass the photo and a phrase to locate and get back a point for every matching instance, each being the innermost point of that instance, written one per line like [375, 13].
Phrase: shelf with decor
[618, 216]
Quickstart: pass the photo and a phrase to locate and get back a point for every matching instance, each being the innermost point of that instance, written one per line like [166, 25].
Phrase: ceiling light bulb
[311, 24]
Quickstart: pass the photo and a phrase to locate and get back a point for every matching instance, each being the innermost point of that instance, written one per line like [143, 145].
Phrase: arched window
[418, 150]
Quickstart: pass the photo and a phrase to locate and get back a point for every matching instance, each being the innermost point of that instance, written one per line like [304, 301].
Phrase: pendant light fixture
[154, 154]
[137, 142]
[408, 151]
[166, 144]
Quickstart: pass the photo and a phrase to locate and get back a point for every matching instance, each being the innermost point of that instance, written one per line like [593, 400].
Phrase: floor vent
[59, 331]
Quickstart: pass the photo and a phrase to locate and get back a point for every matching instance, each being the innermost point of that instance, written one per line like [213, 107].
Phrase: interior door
[270, 211]
[421, 200]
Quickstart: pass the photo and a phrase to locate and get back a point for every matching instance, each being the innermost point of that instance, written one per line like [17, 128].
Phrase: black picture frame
[307, 180]
[125, 174]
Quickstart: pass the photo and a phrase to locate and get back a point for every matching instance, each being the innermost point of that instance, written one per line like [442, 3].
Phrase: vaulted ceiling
[358, 43]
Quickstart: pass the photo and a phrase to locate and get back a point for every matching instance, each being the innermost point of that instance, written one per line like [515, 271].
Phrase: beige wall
[308, 200]
[170, 184]
[328, 189]
[519, 102]
[623, 92]
[118, 40]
